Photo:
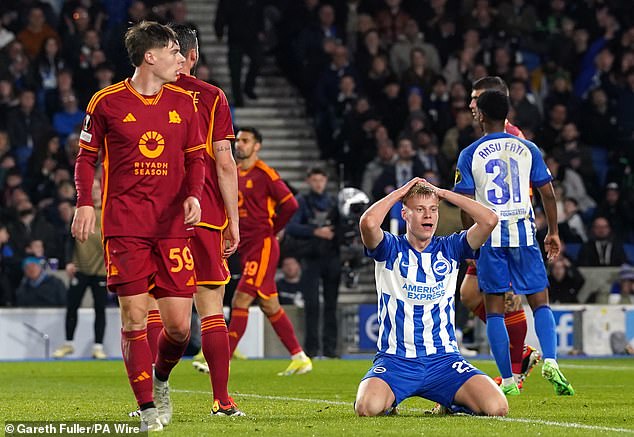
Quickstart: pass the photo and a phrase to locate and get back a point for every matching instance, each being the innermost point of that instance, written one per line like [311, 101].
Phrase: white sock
[508, 381]
[516, 377]
[299, 356]
[97, 346]
[552, 362]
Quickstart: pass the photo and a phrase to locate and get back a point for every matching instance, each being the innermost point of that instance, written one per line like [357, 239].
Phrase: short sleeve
[540, 174]
[463, 182]
[94, 127]
[459, 246]
[222, 128]
[385, 250]
[279, 191]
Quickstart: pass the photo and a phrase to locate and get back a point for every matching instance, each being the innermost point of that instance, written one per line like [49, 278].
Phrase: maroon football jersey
[260, 191]
[145, 144]
[216, 125]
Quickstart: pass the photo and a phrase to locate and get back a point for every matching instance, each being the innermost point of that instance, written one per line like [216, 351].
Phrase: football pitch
[318, 403]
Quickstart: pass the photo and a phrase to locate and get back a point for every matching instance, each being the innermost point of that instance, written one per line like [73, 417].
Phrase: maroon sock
[215, 344]
[237, 326]
[169, 354]
[516, 326]
[138, 363]
[154, 328]
[284, 330]
[481, 312]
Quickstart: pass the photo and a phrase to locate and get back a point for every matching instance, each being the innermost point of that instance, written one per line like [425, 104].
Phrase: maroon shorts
[211, 267]
[259, 263]
[162, 266]
[471, 270]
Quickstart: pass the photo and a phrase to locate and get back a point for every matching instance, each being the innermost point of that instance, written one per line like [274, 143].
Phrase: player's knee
[368, 407]
[497, 406]
[178, 332]
[269, 307]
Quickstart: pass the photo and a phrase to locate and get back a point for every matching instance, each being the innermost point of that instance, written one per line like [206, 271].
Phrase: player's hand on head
[191, 205]
[83, 223]
[552, 245]
[405, 188]
[231, 237]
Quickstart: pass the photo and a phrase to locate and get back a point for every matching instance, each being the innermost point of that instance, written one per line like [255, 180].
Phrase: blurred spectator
[430, 155]
[573, 219]
[8, 100]
[549, 134]
[38, 288]
[26, 125]
[418, 75]
[393, 107]
[404, 168]
[244, 20]
[385, 157]
[317, 222]
[565, 281]
[115, 47]
[391, 21]
[290, 287]
[8, 261]
[31, 225]
[602, 249]
[526, 113]
[377, 77]
[36, 32]
[561, 93]
[626, 287]
[518, 18]
[48, 64]
[617, 212]
[70, 118]
[571, 152]
[400, 53]
[459, 136]
[598, 121]
[571, 182]
[624, 111]
[370, 48]
[439, 107]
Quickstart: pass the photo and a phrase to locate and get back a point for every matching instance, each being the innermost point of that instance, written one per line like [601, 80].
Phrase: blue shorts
[501, 269]
[436, 377]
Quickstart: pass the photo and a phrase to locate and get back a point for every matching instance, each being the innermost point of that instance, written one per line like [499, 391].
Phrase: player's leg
[494, 279]
[481, 395]
[75, 295]
[529, 278]
[470, 295]
[300, 362]
[154, 325]
[515, 322]
[99, 296]
[374, 398]
[240, 304]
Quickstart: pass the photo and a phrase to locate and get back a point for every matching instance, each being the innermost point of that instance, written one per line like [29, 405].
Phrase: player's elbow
[367, 223]
[491, 220]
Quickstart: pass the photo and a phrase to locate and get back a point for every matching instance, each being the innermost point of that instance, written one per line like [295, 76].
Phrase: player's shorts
[436, 377]
[162, 266]
[523, 267]
[211, 267]
[259, 264]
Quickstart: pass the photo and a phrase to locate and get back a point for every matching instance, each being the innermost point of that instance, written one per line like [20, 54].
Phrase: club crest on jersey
[441, 267]
[249, 183]
[174, 117]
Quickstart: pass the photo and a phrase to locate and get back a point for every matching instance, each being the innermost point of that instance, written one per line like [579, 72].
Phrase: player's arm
[194, 169]
[552, 245]
[370, 222]
[228, 184]
[464, 184]
[286, 206]
[484, 220]
[465, 218]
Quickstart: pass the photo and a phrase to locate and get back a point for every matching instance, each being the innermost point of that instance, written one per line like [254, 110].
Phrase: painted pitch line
[591, 367]
[501, 419]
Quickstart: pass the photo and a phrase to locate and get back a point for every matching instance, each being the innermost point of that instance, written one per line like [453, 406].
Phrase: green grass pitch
[319, 403]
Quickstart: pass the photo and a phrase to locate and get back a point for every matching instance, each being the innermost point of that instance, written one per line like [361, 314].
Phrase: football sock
[169, 354]
[215, 344]
[545, 329]
[237, 326]
[138, 363]
[516, 327]
[480, 311]
[154, 328]
[499, 342]
[284, 330]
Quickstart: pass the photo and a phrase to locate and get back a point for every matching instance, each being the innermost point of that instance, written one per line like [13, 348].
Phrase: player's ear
[149, 57]
[403, 212]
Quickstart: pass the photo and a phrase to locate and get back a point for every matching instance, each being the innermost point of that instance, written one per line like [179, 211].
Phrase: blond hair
[419, 189]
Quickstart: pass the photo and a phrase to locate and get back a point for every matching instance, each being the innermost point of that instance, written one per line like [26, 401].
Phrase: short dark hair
[316, 170]
[187, 37]
[491, 83]
[256, 133]
[494, 105]
[145, 36]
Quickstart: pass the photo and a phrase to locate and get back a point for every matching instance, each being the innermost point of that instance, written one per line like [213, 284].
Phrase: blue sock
[546, 331]
[499, 342]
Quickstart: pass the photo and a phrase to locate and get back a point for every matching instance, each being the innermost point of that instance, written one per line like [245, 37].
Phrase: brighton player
[153, 172]
[523, 357]
[499, 170]
[265, 205]
[416, 276]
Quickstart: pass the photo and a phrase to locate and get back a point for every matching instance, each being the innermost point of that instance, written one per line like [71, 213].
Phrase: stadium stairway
[279, 113]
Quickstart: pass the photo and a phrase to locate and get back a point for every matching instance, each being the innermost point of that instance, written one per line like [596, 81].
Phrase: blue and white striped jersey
[499, 169]
[416, 294]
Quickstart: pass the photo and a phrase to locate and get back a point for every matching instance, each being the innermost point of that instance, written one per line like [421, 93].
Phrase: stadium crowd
[388, 83]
